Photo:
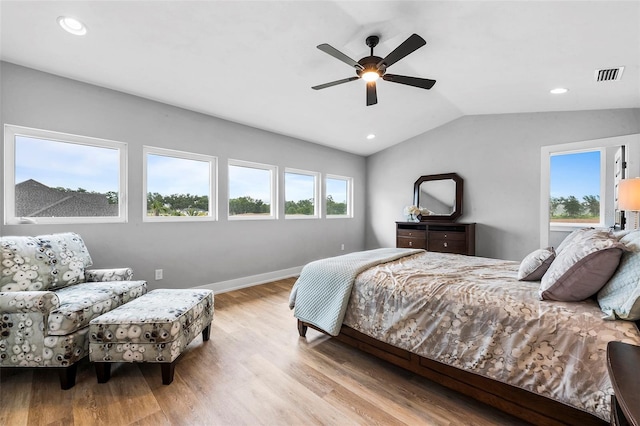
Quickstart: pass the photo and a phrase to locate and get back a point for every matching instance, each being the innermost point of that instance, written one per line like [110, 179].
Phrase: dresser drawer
[447, 246]
[404, 242]
[447, 236]
[411, 233]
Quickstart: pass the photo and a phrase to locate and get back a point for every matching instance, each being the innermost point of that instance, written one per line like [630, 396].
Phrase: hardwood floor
[255, 370]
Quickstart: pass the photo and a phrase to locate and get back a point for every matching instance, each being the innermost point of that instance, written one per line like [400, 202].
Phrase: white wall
[229, 253]
[498, 156]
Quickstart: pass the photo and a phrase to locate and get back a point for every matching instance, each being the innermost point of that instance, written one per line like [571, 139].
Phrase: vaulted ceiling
[254, 62]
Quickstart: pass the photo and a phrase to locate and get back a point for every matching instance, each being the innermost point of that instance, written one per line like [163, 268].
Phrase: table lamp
[629, 197]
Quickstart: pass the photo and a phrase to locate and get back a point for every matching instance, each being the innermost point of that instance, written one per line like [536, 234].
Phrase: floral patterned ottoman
[153, 328]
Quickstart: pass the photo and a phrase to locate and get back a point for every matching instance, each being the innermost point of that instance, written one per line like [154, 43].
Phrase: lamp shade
[629, 194]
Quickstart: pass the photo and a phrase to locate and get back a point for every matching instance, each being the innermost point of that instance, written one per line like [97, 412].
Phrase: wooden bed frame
[526, 405]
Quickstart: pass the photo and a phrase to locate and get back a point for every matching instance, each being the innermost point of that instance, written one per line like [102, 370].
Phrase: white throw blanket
[321, 293]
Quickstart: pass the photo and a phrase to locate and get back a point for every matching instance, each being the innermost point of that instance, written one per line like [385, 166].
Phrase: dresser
[445, 237]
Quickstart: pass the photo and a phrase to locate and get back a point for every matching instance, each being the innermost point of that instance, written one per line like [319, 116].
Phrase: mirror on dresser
[440, 196]
[438, 230]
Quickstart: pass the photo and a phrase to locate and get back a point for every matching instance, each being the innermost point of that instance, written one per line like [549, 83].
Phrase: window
[577, 185]
[552, 232]
[53, 177]
[339, 196]
[252, 190]
[179, 186]
[300, 194]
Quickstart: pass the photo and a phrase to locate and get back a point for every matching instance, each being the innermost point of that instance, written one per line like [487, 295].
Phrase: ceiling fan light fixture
[72, 25]
[369, 76]
[371, 68]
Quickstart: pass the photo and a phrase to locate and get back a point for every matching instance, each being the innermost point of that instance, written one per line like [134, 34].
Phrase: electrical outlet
[342, 247]
[158, 274]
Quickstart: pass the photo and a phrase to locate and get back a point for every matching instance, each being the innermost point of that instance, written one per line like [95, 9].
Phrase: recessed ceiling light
[371, 136]
[72, 25]
[558, 90]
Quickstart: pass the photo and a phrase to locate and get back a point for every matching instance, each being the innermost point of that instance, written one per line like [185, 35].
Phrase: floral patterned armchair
[48, 297]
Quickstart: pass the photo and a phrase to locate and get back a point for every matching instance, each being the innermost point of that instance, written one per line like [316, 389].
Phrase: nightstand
[623, 362]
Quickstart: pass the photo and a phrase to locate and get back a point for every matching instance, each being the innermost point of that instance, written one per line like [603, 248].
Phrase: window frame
[316, 193]
[350, 210]
[632, 146]
[273, 182]
[184, 155]
[10, 134]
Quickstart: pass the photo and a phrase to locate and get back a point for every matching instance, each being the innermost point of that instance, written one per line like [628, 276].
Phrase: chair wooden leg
[167, 371]
[103, 371]
[68, 376]
[206, 333]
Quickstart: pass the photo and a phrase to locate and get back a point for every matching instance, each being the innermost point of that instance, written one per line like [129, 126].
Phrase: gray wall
[498, 156]
[229, 253]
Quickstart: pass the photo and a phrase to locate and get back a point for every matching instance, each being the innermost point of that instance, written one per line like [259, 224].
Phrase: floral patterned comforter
[472, 313]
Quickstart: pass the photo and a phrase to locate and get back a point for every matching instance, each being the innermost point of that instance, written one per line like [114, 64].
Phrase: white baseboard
[238, 283]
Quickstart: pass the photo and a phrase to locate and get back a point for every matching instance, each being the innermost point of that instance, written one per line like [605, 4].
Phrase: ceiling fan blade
[339, 56]
[413, 43]
[423, 83]
[372, 97]
[333, 83]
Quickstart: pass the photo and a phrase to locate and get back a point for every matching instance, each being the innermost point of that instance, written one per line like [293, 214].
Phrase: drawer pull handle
[410, 233]
[410, 243]
[445, 235]
[445, 244]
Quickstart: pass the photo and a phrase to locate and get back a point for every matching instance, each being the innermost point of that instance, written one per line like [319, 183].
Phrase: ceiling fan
[370, 68]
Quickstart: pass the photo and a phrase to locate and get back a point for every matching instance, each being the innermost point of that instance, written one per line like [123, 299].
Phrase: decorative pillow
[578, 233]
[582, 268]
[535, 264]
[72, 258]
[620, 297]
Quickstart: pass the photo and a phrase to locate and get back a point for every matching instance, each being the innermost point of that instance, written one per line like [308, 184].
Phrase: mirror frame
[459, 191]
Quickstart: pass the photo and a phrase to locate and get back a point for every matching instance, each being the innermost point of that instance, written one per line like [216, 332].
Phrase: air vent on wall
[609, 74]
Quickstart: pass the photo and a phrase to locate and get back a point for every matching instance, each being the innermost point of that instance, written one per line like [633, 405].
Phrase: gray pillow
[582, 268]
[535, 264]
[620, 297]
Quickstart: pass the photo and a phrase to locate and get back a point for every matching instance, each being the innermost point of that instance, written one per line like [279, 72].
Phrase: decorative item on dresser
[445, 237]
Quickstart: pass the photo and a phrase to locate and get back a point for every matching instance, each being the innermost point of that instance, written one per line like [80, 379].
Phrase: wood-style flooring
[255, 370]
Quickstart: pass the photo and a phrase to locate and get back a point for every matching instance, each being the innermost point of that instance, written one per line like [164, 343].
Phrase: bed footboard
[520, 403]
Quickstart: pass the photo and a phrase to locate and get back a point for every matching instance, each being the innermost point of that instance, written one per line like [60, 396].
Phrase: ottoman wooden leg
[167, 371]
[206, 332]
[103, 371]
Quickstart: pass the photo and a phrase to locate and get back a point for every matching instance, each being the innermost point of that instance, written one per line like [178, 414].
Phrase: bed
[471, 324]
